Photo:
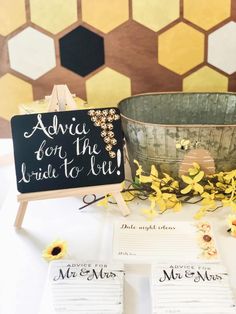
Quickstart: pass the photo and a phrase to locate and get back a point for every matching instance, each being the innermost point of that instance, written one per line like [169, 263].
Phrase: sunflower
[204, 227]
[205, 241]
[210, 253]
[231, 219]
[55, 250]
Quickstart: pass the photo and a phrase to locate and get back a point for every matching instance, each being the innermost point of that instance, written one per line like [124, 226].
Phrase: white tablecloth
[89, 236]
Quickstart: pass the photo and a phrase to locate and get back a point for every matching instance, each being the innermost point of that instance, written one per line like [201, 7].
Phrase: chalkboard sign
[68, 149]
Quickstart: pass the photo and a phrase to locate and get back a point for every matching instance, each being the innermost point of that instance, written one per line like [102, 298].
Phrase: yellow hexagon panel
[205, 80]
[105, 15]
[12, 15]
[53, 15]
[155, 14]
[107, 88]
[181, 48]
[206, 13]
[13, 91]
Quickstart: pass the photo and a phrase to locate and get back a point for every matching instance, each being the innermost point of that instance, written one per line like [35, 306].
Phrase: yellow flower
[208, 200]
[157, 199]
[146, 179]
[140, 168]
[154, 172]
[104, 202]
[231, 220]
[219, 196]
[166, 201]
[163, 191]
[199, 214]
[168, 183]
[209, 187]
[175, 185]
[195, 170]
[152, 198]
[177, 207]
[231, 188]
[166, 178]
[230, 175]
[221, 186]
[172, 202]
[55, 250]
[193, 183]
[150, 213]
[229, 203]
[221, 177]
[155, 185]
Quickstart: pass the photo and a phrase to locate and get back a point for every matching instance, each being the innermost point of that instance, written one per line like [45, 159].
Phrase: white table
[89, 236]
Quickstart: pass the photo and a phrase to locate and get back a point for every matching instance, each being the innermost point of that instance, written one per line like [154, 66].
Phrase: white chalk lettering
[73, 172]
[96, 169]
[49, 151]
[40, 174]
[83, 147]
[57, 128]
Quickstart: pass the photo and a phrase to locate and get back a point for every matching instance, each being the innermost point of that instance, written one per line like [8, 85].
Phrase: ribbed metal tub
[154, 123]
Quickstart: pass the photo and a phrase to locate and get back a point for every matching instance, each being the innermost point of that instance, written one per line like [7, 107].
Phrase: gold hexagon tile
[105, 15]
[207, 13]
[12, 15]
[205, 80]
[13, 91]
[53, 15]
[107, 87]
[155, 14]
[181, 48]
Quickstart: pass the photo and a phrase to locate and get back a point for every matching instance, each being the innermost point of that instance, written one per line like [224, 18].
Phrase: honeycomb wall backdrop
[106, 50]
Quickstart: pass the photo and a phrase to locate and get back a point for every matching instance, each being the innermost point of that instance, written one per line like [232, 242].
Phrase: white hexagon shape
[222, 48]
[31, 53]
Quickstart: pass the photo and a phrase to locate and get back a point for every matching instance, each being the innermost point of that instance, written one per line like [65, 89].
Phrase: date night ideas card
[83, 288]
[195, 288]
[68, 149]
[163, 241]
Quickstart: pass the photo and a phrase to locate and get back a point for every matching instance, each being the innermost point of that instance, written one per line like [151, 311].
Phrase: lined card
[95, 288]
[184, 288]
[163, 241]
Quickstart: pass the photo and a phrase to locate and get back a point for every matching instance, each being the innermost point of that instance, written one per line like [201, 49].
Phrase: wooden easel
[58, 101]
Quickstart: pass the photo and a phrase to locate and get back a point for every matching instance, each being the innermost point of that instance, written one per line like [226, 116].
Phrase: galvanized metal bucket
[156, 126]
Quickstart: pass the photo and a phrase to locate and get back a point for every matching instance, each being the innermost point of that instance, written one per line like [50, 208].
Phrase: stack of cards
[195, 288]
[83, 288]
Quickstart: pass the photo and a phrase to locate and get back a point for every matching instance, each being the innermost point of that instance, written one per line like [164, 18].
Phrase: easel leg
[20, 214]
[121, 203]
